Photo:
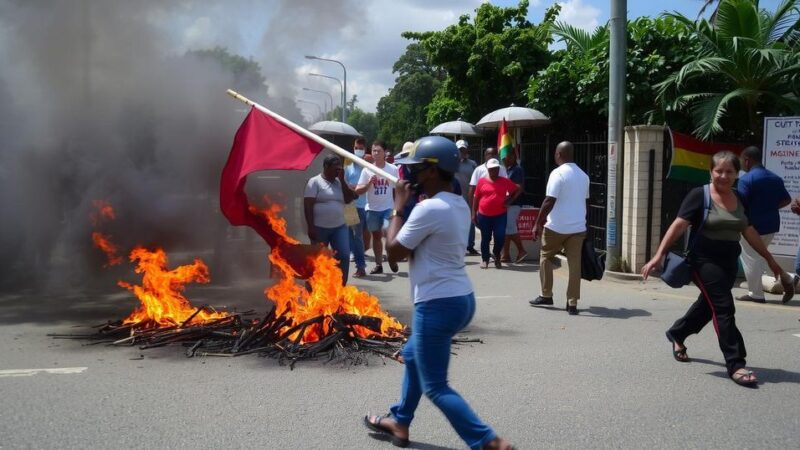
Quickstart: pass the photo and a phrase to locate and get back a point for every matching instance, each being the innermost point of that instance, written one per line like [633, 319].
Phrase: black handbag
[592, 264]
[677, 270]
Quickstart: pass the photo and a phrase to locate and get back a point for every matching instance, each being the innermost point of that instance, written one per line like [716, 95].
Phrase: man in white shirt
[380, 200]
[564, 208]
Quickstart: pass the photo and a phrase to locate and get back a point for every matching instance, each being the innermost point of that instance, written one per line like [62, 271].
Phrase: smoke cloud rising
[98, 100]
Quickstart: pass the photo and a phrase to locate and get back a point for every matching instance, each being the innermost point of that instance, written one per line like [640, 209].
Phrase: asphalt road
[543, 379]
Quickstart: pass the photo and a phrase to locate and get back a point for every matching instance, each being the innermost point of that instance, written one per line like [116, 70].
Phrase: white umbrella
[515, 116]
[457, 128]
[334, 128]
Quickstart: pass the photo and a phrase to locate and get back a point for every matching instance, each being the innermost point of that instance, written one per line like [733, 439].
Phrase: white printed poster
[782, 157]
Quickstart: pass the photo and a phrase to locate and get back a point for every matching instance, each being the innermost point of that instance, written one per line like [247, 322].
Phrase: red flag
[261, 143]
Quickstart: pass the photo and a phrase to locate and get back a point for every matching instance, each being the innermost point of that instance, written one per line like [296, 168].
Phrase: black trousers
[715, 273]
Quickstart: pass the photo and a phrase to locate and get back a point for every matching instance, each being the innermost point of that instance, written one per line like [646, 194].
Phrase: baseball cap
[462, 144]
[492, 163]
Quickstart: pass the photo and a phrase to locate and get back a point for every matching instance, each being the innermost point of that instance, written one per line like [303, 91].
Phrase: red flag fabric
[261, 143]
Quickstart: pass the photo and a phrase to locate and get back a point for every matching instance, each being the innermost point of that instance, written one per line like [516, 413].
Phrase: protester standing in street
[517, 176]
[713, 260]
[356, 232]
[323, 203]
[564, 210]
[432, 237]
[493, 195]
[379, 203]
[764, 193]
[465, 168]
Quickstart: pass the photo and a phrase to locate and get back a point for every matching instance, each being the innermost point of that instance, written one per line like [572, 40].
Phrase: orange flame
[102, 211]
[103, 242]
[275, 221]
[326, 297]
[163, 303]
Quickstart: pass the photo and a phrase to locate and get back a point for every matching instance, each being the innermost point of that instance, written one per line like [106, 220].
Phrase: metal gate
[591, 155]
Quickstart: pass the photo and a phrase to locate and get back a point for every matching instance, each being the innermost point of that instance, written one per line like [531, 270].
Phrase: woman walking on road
[433, 238]
[493, 195]
[713, 259]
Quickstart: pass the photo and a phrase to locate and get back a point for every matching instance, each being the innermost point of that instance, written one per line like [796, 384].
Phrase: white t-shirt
[569, 185]
[380, 196]
[482, 172]
[328, 201]
[436, 231]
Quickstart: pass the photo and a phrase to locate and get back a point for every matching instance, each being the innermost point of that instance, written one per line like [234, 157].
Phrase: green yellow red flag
[691, 158]
[505, 143]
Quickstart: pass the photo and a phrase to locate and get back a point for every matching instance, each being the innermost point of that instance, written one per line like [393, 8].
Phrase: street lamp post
[344, 85]
[341, 87]
[321, 92]
[311, 103]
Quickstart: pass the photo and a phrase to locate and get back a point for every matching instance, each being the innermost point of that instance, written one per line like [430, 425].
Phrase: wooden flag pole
[318, 139]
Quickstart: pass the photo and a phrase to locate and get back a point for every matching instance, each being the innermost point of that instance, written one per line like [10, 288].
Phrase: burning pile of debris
[318, 318]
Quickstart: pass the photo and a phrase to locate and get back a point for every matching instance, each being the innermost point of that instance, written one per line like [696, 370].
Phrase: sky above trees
[363, 35]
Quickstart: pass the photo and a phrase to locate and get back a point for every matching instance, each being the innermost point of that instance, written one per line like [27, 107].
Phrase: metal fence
[591, 155]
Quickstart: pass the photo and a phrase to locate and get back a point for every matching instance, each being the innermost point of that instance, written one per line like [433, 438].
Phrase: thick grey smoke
[97, 102]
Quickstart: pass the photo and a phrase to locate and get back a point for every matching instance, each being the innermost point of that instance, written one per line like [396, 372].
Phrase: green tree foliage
[366, 123]
[402, 113]
[486, 61]
[752, 57]
[246, 72]
[573, 89]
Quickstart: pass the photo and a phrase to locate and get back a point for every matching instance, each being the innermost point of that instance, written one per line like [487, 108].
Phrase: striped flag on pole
[691, 158]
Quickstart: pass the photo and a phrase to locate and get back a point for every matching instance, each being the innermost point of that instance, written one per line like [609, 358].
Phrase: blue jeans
[471, 237]
[492, 225]
[427, 355]
[340, 244]
[357, 239]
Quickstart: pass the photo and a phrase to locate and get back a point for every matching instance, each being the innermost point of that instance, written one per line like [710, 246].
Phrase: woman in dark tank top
[714, 264]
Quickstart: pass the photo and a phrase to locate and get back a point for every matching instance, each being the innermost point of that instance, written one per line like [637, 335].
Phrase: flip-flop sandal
[739, 378]
[384, 433]
[679, 355]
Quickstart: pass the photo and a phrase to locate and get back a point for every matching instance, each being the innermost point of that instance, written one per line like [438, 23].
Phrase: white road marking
[30, 372]
[493, 296]
[796, 335]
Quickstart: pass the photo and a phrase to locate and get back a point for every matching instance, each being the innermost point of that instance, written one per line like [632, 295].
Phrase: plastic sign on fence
[782, 156]
[527, 217]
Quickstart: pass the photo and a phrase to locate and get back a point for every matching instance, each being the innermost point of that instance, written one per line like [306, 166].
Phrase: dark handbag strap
[706, 210]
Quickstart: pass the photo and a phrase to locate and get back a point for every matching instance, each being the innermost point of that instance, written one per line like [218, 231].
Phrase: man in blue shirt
[517, 175]
[351, 175]
[764, 193]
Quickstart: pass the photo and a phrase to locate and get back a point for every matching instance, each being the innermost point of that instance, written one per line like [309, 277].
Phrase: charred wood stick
[372, 323]
[193, 348]
[239, 341]
[304, 324]
[194, 314]
[258, 329]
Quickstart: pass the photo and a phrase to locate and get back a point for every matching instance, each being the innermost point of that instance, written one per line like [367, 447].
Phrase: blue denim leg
[357, 239]
[485, 225]
[471, 238]
[499, 231]
[339, 242]
[427, 356]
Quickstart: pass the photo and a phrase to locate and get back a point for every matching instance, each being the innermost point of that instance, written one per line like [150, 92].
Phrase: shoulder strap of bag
[706, 210]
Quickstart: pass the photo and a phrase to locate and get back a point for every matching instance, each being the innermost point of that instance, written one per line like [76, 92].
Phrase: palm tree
[749, 63]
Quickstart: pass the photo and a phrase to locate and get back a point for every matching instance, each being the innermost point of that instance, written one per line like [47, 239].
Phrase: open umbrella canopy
[457, 128]
[516, 116]
[334, 128]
